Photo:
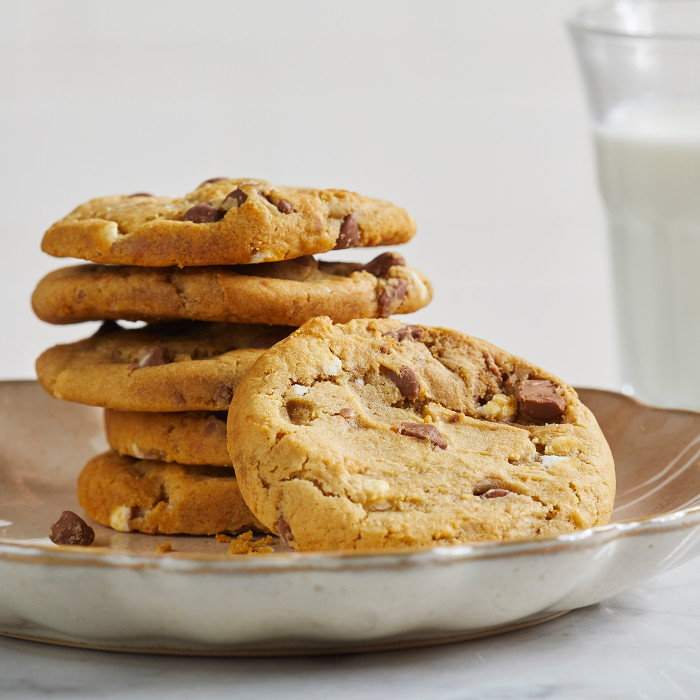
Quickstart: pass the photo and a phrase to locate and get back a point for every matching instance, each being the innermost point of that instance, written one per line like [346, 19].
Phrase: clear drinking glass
[640, 61]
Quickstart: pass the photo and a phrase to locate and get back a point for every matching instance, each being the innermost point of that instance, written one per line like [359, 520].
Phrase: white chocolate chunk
[119, 519]
[549, 461]
[333, 367]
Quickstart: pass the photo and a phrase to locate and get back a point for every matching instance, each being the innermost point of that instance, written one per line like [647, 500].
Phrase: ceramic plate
[121, 594]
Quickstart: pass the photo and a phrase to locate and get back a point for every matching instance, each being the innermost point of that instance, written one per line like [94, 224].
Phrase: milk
[649, 171]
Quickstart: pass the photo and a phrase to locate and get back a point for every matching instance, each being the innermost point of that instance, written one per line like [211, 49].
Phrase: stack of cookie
[219, 275]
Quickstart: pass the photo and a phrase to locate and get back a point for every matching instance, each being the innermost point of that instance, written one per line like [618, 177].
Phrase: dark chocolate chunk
[212, 425]
[382, 263]
[223, 394]
[491, 366]
[347, 413]
[393, 291]
[140, 194]
[300, 412]
[283, 530]
[236, 197]
[157, 355]
[406, 380]
[179, 398]
[349, 235]
[284, 206]
[538, 399]
[410, 332]
[424, 431]
[214, 179]
[70, 528]
[494, 493]
[203, 213]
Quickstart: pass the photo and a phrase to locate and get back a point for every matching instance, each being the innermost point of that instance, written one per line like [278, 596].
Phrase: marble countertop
[642, 644]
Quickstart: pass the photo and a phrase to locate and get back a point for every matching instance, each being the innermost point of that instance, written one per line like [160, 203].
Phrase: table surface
[643, 644]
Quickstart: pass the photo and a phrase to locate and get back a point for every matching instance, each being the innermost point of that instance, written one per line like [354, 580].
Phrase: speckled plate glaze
[121, 594]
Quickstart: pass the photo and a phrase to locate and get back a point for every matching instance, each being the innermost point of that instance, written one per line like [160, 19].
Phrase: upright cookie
[191, 437]
[285, 293]
[158, 498]
[225, 222]
[376, 435]
[186, 366]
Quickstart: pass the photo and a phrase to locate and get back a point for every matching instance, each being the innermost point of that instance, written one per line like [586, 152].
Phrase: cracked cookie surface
[378, 435]
[225, 222]
[162, 498]
[189, 437]
[284, 293]
[184, 366]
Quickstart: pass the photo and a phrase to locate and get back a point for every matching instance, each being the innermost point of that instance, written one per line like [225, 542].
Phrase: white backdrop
[469, 113]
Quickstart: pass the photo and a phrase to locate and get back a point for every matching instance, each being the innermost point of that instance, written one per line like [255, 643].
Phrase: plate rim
[189, 562]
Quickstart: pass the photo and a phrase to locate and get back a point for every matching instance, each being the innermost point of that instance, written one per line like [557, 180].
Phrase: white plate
[121, 594]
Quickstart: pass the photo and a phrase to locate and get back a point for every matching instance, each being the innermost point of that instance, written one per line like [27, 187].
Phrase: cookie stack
[219, 275]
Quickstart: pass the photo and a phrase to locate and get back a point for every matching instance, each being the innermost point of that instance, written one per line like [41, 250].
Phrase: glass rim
[580, 22]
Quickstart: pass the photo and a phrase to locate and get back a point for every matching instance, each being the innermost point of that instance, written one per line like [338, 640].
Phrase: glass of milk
[640, 61]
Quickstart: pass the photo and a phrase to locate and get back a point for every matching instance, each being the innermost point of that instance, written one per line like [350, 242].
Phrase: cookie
[192, 437]
[378, 435]
[225, 222]
[185, 366]
[154, 497]
[286, 293]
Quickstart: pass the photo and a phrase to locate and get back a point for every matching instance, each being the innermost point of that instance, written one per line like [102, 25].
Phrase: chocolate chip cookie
[225, 222]
[379, 435]
[289, 292]
[184, 366]
[191, 437]
[159, 498]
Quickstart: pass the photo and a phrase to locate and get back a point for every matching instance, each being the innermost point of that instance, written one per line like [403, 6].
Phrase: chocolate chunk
[284, 206]
[70, 528]
[406, 380]
[214, 179]
[347, 413]
[140, 194]
[223, 394]
[157, 355]
[393, 291]
[491, 365]
[300, 412]
[538, 399]
[266, 340]
[424, 431]
[106, 328]
[283, 530]
[212, 425]
[494, 493]
[410, 332]
[382, 263]
[203, 213]
[236, 197]
[349, 235]
[179, 398]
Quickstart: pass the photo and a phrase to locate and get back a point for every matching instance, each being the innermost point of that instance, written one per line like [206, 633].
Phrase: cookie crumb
[164, 548]
[244, 544]
[222, 538]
